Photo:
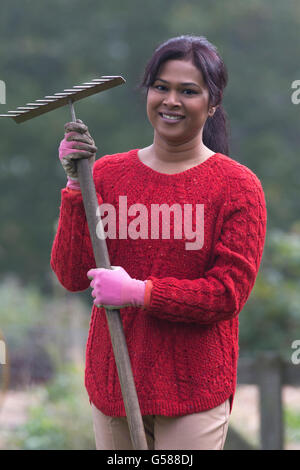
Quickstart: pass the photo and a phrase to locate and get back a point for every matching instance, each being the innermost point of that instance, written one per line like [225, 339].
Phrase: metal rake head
[68, 96]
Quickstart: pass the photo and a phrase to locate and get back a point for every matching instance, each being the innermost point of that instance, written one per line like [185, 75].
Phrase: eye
[189, 91]
[160, 87]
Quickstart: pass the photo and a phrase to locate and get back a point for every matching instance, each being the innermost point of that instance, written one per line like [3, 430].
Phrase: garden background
[48, 46]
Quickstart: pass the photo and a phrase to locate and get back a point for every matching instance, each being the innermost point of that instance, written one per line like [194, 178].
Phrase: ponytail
[216, 132]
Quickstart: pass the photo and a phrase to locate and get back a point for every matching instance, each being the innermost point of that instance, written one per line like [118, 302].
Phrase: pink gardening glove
[114, 288]
[76, 144]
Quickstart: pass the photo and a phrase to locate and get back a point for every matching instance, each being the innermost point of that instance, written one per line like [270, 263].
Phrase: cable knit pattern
[184, 346]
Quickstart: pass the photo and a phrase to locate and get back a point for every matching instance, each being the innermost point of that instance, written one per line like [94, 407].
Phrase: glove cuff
[73, 183]
[137, 293]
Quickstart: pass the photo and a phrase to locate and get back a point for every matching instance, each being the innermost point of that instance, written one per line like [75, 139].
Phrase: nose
[171, 99]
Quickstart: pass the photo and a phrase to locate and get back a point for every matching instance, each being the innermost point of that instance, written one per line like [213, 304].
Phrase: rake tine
[36, 105]
[45, 101]
[71, 90]
[62, 94]
[89, 83]
[16, 111]
[83, 87]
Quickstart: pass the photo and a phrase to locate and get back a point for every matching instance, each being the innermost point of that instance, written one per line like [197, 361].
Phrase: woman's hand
[114, 288]
[77, 144]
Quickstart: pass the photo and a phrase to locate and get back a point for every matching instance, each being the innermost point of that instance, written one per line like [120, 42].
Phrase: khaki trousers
[199, 431]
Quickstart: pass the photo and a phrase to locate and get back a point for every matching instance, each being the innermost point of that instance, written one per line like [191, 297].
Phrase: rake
[90, 201]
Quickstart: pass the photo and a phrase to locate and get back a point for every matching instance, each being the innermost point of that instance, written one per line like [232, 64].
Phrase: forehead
[180, 71]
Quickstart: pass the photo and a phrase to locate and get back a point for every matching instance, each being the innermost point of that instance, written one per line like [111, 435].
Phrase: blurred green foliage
[45, 341]
[292, 423]
[61, 419]
[51, 45]
[20, 309]
[270, 318]
[41, 332]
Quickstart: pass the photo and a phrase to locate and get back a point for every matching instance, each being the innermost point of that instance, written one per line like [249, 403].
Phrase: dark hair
[206, 58]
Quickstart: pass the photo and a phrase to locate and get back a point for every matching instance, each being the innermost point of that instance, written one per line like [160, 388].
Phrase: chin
[176, 139]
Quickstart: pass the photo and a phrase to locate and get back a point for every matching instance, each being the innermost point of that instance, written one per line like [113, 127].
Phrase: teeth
[168, 116]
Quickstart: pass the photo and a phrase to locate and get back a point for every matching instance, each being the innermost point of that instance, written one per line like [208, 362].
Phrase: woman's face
[178, 102]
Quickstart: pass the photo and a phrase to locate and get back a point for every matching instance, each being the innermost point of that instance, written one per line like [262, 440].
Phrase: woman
[182, 283]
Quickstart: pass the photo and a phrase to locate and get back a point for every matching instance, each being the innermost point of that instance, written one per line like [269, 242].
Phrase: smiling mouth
[171, 117]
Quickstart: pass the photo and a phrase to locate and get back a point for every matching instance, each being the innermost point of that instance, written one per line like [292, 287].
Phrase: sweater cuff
[147, 296]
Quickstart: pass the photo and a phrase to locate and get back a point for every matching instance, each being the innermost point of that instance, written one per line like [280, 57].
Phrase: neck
[174, 152]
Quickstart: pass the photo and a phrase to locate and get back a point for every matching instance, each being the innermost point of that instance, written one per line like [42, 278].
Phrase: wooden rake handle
[90, 201]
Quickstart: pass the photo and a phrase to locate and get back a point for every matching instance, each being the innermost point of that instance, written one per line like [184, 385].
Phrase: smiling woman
[179, 98]
[209, 72]
[184, 80]
[180, 304]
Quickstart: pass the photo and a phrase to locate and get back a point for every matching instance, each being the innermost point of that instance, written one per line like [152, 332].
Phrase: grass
[292, 426]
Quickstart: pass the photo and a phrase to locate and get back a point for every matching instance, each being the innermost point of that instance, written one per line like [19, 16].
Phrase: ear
[212, 110]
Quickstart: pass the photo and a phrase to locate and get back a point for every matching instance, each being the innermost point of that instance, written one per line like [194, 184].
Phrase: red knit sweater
[184, 346]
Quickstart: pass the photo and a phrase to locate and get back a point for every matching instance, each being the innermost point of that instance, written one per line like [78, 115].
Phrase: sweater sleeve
[226, 285]
[72, 253]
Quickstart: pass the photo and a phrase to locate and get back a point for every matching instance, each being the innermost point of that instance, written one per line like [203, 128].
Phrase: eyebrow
[183, 84]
